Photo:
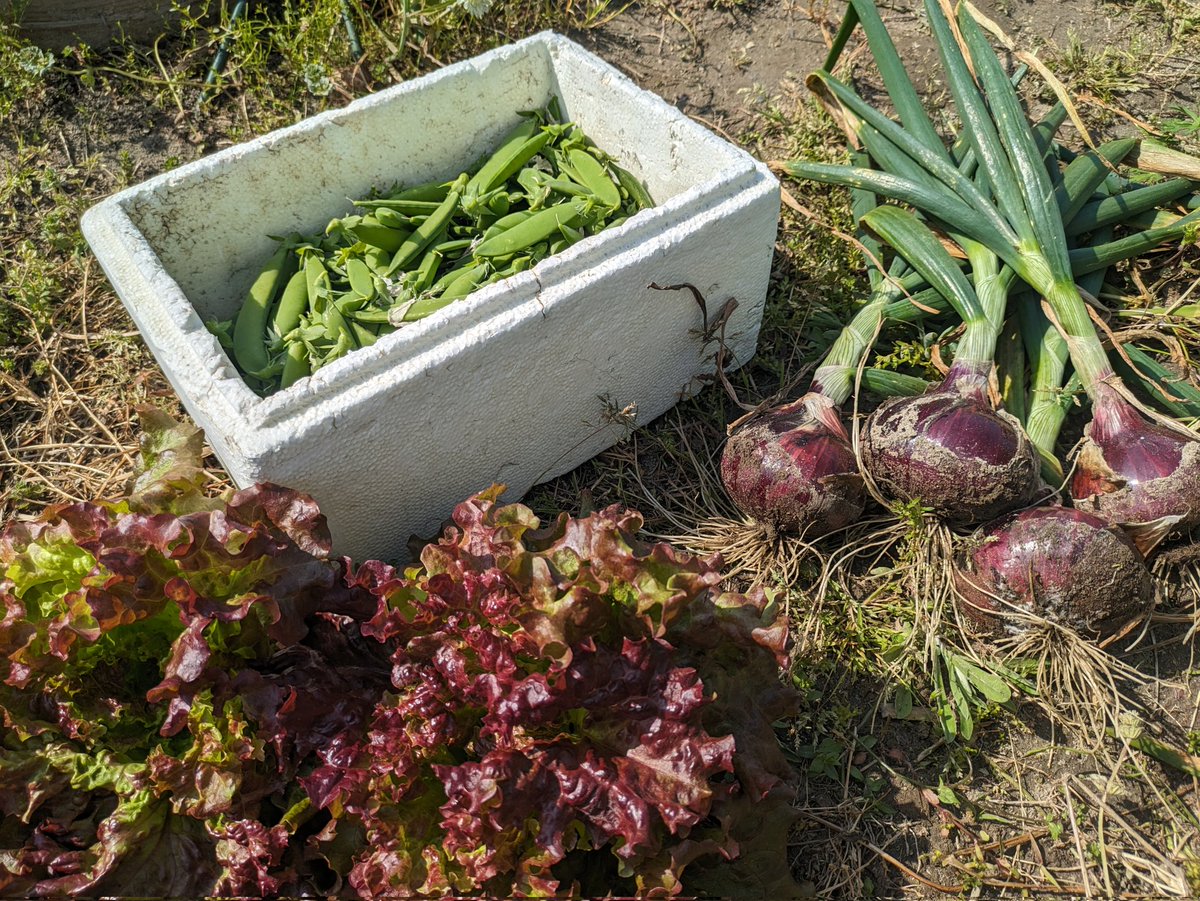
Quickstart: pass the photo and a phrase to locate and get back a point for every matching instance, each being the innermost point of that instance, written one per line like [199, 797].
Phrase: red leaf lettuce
[552, 696]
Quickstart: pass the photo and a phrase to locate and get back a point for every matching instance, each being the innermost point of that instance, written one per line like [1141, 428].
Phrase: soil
[718, 61]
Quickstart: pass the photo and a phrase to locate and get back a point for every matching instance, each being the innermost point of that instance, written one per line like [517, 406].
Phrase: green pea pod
[346, 222]
[467, 282]
[431, 191]
[336, 325]
[506, 222]
[292, 304]
[519, 158]
[400, 207]
[464, 284]
[445, 279]
[637, 194]
[423, 275]
[295, 365]
[309, 332]
[349, 303]
[591, 174]
[499, 203]
[448, 248]
[518, 264]
[249, 349]
[359, 275]
[317, 278]
[378, 235]
[340, 348]
[532, 231]
[370, 315]
[363, 336]
[392, 219]
[429, 229]
[532, 180]
[377, 259]
[571, 235]
[568, 187]
[512, 144]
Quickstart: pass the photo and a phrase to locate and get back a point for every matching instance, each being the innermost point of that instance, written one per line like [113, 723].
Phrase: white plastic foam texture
[515, 384]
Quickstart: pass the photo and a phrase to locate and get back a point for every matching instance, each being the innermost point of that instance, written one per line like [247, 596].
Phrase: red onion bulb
[952, 450]
[1064, 565]
[1130, 470]
[793, 467]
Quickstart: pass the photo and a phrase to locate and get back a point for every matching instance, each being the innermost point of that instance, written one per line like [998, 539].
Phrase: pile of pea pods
[412, 252]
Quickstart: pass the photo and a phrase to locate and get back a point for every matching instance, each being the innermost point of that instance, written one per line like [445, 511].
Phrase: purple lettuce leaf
[530, 709]
[169, 663]
[96, 828]
[251, 857]
[551, 698]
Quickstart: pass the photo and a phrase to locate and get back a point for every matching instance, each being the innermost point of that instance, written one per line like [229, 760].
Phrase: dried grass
[70, 434]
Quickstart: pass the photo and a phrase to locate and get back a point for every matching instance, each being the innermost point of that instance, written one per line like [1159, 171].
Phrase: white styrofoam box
[516, 383]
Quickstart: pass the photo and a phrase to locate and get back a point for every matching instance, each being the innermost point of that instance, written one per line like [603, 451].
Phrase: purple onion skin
[1130, 470]
[952, 450]
[793, 467]
[1064, 565]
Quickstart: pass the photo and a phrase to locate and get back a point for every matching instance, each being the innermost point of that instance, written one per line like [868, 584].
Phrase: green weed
[1104, 72]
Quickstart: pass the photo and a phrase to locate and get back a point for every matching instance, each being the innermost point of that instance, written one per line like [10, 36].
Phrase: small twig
[699, 298]
[1083, 867]
[1030, 836]
[1140, 123]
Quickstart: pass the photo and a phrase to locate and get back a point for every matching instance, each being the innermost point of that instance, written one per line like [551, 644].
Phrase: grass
[897, 796]
[1105, 72]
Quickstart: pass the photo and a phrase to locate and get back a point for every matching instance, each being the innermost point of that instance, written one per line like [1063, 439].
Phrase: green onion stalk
[793, 465]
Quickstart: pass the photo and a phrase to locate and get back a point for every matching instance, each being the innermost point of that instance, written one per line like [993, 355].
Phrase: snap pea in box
[521, 381]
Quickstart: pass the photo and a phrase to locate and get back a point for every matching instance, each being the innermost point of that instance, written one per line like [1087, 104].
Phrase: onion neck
[1048, 401]
[824, 410]
[971, 371]
[1112, 414]
[1087, 353]
[835, 376]
[1050, 397]
[1054, 282]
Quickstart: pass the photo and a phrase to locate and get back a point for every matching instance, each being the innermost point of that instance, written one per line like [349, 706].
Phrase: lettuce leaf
[552, 694]
[196, 698]
[169, 660]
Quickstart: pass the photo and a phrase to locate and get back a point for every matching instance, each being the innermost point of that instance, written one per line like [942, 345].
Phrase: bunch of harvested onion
[1002, 201]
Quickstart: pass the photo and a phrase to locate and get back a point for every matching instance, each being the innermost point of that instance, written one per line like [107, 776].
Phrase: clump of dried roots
[1176, 573]
[1079, 684]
